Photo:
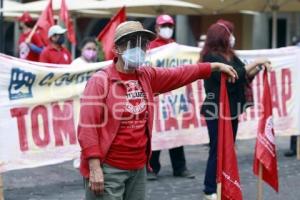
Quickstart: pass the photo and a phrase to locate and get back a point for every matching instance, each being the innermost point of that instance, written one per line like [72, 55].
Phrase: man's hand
[227, 69]
[96, 179]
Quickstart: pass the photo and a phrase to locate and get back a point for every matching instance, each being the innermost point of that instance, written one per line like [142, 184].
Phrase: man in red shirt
[29, 49]
[55, 52]
[164, 29]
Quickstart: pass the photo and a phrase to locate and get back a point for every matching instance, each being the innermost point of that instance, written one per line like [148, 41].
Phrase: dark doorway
[281, 32]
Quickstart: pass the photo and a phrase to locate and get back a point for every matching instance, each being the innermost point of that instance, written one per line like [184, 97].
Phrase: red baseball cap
[25, 18]
[164, 19]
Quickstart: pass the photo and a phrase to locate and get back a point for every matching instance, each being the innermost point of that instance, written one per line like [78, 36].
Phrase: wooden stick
[219, 191]
[298, 147]
[28, 39]
[260, 183]
[1, 188]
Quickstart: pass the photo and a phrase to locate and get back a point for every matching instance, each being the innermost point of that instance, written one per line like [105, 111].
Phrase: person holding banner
[164, 29]
[55, 52]
[29, 48]
[89, 52]
[218, 47]
[116, 115]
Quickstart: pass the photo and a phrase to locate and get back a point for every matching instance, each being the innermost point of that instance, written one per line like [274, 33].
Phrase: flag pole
[298, 147]
[28, 39]
[74, 45]
[1, 188]
[260, 183]
[219, 191]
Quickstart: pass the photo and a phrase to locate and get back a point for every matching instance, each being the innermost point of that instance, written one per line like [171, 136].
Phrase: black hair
[29, 24]
[88, 40]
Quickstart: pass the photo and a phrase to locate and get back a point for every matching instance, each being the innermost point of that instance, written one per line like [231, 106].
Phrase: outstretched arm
[253, 68]
[167, 79]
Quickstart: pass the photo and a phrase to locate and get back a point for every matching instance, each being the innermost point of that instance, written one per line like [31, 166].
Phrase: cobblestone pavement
[62, 182]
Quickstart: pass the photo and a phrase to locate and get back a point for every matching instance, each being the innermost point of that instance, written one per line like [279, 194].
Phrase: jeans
[177, 160]
[210, 184]
[293, 143]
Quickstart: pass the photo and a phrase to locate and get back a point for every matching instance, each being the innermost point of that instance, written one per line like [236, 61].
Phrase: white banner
[40, 105]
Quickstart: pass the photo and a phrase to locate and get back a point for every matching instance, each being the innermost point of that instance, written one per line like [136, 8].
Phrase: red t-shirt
[56, 56]
[128, 150]
[36, 40]
[159, 42]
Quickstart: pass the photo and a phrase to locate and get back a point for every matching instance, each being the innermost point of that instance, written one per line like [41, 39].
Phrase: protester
[55, 52]
[164, 31]
[116, 115]
[29, 48]
[219, 48]
[89, 52]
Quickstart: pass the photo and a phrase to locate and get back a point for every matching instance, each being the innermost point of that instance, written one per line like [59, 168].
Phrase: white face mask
[201, 44]
[134, 57]
[231, 41]
[166, 32]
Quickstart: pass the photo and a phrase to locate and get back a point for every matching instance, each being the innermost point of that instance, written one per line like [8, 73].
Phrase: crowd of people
[33, 47]
[116, 158]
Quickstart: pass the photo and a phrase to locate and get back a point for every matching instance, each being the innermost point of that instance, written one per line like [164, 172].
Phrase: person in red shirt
[55, 52]
[164, 30]
[116, 115]
[29, 48]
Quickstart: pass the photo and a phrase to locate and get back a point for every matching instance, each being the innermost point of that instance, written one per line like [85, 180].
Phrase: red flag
[265, 149]
[106, 36]
[227, 166]
[64, 16]
[45, 22]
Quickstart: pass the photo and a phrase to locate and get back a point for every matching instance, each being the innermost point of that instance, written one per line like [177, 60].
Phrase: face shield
[133, 50]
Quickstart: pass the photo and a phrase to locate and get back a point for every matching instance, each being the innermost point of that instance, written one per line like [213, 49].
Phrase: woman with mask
[89, 52]
[55, 52]
[218, 47]
[116, 115]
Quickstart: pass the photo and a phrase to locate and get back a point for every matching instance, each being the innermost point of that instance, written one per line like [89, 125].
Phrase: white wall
[260, 29]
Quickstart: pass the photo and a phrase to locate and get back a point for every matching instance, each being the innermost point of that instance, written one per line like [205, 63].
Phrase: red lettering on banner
[39, 140]
[20, 113]
[201, 99]
[191, 116]
[63, 123]
[157, 118]
[286, 79]
[274, 92]
[170, 121]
